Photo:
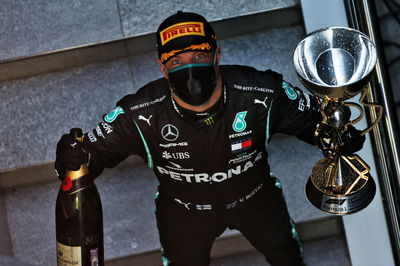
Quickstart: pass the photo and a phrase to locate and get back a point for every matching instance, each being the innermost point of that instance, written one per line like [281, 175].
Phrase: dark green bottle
[79, 218]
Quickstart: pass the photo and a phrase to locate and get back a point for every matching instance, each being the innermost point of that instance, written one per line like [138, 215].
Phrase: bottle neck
[75, 181]
[81, 172]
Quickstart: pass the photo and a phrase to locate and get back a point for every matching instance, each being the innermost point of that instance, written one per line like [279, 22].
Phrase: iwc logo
[169, 132]
[239, 124]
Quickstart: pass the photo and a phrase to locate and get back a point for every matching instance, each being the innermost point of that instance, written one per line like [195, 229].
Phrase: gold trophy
[335, 64]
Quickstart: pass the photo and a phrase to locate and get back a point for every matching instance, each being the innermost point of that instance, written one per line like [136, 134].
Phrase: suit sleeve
[295, 113]
[112, 141]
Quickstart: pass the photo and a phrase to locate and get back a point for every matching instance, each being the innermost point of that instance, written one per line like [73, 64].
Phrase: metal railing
[362, 16]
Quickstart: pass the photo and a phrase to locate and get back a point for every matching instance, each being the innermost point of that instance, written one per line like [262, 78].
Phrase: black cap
[184, 32]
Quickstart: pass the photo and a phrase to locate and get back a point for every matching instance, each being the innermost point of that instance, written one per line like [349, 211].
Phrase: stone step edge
[44, 173]
[56, 60]
[8, 261]
[234, 244]
[5, 237]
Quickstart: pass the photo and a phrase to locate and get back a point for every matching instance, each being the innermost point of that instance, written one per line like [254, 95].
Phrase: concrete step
[5, 240]
[78, 56]
[9, 261]
[233, 244]
[74, 24]
[330, 251]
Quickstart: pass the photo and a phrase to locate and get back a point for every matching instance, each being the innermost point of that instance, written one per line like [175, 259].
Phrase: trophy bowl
[335, 64]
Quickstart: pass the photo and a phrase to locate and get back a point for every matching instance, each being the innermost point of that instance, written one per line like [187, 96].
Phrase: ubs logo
[169, 132]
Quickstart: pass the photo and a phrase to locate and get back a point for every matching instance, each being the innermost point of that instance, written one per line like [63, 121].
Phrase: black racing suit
[213, 171]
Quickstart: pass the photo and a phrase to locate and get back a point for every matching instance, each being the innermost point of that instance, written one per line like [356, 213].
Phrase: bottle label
[94, 257]
[68, 255]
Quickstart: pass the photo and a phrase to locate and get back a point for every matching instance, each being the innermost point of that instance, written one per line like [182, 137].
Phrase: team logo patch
[110, 117]
[169, 132]
[239, 124]
[241, 145]
[291, 94]
[181, 29]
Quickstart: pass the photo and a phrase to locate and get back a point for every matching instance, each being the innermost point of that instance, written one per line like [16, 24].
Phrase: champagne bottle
[79, 218]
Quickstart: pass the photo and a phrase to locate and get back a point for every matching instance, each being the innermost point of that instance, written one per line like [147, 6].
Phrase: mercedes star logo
[169, 132]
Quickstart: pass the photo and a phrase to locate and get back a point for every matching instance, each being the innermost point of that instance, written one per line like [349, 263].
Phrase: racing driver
[203, 129]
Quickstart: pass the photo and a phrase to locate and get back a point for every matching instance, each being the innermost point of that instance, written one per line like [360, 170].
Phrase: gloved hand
[70, 154]
[352, 141]
[326, 140]
[331, 141]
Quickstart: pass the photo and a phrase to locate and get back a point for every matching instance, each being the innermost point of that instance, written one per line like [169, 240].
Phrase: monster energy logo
[209, 121]
[239, 124]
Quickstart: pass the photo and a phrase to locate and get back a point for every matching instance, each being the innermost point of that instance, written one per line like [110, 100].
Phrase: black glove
[70, 154]
[352, 141]
[326, 139]
[332, 141]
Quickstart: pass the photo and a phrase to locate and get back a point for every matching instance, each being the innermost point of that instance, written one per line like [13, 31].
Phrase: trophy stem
[330, 173]
[333, 177]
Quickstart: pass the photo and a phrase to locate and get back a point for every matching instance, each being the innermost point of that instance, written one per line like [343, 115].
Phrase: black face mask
[193, 83]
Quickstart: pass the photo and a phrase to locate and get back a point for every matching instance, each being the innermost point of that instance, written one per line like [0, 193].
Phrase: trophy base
[341, 204]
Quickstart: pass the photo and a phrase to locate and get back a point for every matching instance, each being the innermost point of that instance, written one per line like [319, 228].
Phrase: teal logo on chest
[291, 94]
[110, 117]
[239, 124]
